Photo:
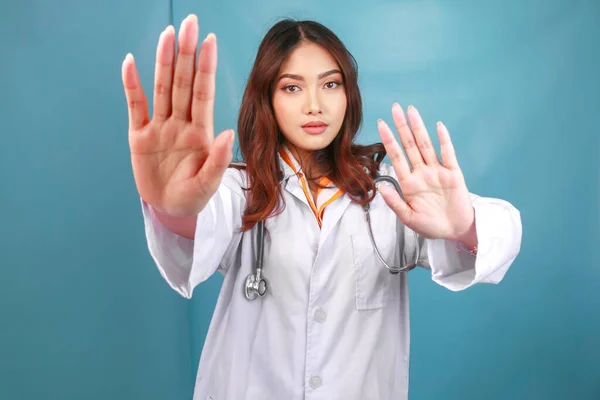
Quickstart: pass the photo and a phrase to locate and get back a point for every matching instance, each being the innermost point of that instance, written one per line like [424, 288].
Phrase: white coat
[334, 323]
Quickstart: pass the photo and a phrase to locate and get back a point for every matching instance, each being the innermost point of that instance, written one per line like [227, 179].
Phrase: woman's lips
[314, 128]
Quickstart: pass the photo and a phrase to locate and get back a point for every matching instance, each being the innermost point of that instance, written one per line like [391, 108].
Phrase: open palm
[436, 203]
[177, 163]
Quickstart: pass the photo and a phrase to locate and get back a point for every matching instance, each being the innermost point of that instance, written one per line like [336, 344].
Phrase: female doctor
[333, 323]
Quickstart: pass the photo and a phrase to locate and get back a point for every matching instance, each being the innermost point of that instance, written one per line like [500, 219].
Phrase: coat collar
[292, 173]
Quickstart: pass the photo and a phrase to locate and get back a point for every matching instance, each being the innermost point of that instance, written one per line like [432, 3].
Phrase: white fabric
[334, 323]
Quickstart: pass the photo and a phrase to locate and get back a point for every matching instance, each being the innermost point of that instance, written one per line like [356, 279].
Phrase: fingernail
[232, 138]
[211, 36]
[396, 106]
[439, 123]
[379, 120]
[129, 57]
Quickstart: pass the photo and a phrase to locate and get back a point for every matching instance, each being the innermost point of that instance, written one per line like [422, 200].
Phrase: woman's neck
[309, 169]
[304, 158]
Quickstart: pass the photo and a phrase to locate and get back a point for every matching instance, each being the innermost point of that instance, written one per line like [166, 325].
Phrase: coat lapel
[334, 209]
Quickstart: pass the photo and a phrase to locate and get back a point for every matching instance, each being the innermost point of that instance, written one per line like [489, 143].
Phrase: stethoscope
[256, 284]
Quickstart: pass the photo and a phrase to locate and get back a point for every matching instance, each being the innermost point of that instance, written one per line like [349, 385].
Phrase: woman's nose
[313, 103]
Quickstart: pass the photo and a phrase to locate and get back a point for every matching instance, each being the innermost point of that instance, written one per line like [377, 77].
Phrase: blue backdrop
[83, 310]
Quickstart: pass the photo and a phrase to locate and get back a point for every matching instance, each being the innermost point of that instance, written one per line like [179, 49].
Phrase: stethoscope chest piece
[255, 287]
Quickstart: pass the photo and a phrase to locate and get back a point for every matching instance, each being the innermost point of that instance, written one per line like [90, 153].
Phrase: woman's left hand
[437, 203]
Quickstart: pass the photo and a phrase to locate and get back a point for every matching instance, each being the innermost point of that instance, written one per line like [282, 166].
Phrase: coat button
[320, 316]
[315, 382]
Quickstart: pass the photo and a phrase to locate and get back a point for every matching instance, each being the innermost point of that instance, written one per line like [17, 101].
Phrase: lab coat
[334, 323]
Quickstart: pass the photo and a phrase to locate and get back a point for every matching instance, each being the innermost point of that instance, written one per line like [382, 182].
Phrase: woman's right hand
[177, 162]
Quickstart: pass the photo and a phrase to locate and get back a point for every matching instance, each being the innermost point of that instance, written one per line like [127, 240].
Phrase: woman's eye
[332, 85]
[291, 88]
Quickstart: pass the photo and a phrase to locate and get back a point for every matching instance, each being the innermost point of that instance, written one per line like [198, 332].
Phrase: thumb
[220, 156]
[395, 202]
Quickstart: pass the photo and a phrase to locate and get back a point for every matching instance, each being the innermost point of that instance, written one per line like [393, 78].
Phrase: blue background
[84, 312]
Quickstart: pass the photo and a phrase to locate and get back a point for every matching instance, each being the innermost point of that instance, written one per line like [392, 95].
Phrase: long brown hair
[349, 166]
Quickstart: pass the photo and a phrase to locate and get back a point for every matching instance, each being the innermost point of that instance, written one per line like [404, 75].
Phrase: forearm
[182, 226]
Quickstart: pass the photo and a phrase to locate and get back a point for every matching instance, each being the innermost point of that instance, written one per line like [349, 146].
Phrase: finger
[446, 147]
[204, 86]
[163, 75]
[219, 158]
[184, 68]
[406, 136]
[395, 202]
[137, 105]
[422, 137]
[393, 150]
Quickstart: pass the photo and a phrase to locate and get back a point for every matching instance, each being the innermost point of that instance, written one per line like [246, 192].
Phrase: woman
[333, 323]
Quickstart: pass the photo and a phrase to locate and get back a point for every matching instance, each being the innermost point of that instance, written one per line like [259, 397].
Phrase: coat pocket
[373, 279]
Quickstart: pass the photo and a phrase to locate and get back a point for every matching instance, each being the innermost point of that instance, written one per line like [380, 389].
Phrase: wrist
[467, 240]
[184, 226]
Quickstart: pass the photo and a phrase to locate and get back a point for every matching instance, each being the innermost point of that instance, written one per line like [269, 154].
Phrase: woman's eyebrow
[301, 78]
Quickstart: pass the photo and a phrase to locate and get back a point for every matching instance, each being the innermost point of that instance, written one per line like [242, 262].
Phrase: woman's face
[309, 98]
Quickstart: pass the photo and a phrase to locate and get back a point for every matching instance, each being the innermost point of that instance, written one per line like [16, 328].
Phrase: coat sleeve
[499, 233]
[185, 263]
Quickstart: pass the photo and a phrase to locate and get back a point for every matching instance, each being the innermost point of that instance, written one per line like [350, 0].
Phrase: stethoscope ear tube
[256, 285]
[389, 179]
[393, 269]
